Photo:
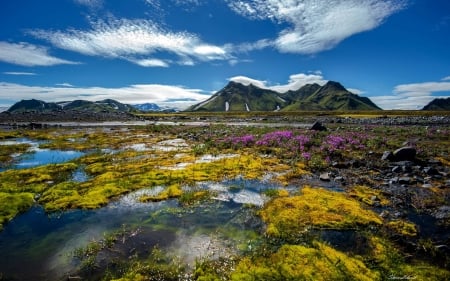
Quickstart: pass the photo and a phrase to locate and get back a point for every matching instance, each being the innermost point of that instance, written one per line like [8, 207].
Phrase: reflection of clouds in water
[62, 262]
[199, 246]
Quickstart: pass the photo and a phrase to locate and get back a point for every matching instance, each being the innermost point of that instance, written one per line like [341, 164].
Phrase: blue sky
[179, 52]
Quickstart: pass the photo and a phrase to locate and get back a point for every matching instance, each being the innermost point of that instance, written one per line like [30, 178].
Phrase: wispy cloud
[296, 81]
[28, 55]
[446, 78]
[315, 26]
[90, 3]
[174, 96]
[64, 84]
[413, 96]
[138, 41]
[19, 73]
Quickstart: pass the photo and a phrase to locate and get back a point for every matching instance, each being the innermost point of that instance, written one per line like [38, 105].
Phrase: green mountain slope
[238, 97]
[331, 96]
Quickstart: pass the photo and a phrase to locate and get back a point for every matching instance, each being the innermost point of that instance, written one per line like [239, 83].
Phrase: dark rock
[430, 171]
[317, 126]
[405, 153]
[404, 180]
[387, 155]
[442, 212]
[434, 162]
[397, 169]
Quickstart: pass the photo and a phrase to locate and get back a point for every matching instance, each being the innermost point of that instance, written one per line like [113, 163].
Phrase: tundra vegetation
[296, 218]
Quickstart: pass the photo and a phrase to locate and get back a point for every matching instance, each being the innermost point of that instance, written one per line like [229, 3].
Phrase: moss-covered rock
[317, 208]
[295, 262]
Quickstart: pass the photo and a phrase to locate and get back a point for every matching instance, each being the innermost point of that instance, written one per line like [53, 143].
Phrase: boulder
[406, 153]
[325, 177]
[317, 126]
[387, 155]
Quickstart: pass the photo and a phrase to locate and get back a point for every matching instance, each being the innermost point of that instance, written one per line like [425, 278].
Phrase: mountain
[147, 107]
[39, 106]
[331, 96]
[438, 104]
[239, 97]
[33, 105]
[69, 111]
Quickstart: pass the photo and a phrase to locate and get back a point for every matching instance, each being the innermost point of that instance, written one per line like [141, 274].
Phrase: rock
[427, 185]
[404, 180]
[442, 212]
[430, 171]
[339, 178]
[405, 153]
[387, 155]
[325, 177]
[317, 126]
[384, 214]
[397, 169]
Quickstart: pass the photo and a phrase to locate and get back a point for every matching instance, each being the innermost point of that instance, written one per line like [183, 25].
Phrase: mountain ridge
[236, 96]
[107, 105]
[438, 104]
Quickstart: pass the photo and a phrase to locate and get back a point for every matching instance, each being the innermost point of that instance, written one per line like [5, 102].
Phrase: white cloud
[90, 3]
[296, 81]
[151, 63]
[426, 87]
[19, 73]
[355, 91]
[28, 55]
[316, 26]
[446, 78]
[64, 84]
[413, 96]
[138, 41]
[174, 96]
[247, 81]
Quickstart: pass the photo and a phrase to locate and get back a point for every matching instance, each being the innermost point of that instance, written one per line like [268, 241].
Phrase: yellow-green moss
[172, 191]
[315, 207]
[392, 265]
[295, 262]
[402, 227]
[12, 204]
[365, 194]
[7, 151]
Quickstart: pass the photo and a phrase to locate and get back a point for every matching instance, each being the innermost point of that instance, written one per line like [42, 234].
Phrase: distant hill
[147, 107]
[34, 105]
[78, 110]
[438, 104]
[238, 97]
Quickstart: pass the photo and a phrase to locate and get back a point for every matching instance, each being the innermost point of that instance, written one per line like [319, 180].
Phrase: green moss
[12, 204]
[7, 151]
[172, 191]
[401, 227]
[366, 194]
[295, 262]
[315, 207]
[390, 262]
